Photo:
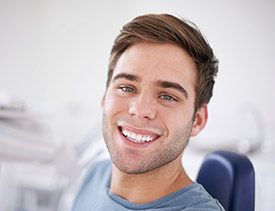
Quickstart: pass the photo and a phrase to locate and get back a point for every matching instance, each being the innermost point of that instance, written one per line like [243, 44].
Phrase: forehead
[154, 61]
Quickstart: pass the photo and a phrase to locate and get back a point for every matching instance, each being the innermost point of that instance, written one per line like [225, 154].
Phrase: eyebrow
[173, 85]
[127, 76]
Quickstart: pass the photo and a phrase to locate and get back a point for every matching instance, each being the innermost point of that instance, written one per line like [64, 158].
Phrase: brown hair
[165, 28]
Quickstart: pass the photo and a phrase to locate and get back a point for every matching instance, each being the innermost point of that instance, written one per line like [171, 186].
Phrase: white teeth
[148, 138]
[137, 138]
[133, 135]
[125, 132]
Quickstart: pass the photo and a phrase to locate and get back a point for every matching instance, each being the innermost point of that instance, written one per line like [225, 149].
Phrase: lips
[138, 136]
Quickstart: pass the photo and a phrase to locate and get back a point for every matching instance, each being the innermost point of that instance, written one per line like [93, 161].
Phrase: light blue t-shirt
[95, 195]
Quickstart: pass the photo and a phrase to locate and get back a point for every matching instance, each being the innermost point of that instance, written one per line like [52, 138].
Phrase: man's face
[148, 108]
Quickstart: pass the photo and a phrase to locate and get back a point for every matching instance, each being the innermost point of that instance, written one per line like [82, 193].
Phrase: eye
[126, 89]
[168, 98]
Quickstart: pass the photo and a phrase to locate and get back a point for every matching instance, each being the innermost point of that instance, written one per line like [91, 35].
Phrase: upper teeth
[136, 137]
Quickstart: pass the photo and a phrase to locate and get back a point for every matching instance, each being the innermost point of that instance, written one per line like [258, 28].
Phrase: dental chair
[230, 178]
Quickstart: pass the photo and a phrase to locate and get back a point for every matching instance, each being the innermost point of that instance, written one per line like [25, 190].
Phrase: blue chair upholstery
[230, 178]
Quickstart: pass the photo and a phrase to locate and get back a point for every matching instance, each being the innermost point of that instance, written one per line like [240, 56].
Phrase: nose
[142, 107]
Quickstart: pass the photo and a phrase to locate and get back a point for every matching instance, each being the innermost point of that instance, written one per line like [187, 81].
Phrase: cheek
[113, 104]
[174, 121]
[177, 119]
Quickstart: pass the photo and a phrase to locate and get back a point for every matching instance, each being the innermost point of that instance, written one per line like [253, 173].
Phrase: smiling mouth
[137, 137]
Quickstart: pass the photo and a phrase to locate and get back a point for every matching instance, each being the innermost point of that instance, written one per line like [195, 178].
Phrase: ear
[201, 117]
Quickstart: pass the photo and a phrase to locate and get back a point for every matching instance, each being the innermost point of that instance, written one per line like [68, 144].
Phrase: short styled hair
[165, 28]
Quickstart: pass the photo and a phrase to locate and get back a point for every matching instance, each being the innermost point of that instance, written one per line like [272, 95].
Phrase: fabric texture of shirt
[95, 195]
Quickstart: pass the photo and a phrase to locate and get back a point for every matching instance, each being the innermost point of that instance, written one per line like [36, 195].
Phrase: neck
[149, 186]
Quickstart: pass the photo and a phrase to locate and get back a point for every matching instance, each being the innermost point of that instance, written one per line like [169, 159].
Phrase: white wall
[57, 52]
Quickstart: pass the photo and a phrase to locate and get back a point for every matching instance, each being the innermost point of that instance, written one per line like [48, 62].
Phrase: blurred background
[53, 63]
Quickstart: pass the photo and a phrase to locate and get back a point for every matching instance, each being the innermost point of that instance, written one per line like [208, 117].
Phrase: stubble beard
[171, 150]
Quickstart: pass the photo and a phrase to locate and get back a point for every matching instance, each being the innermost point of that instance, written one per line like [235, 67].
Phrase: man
[160, 80]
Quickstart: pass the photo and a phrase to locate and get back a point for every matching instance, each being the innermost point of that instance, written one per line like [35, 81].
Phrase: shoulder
[97, 175]
[197, 198]
[98, 169]
[94, 186]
